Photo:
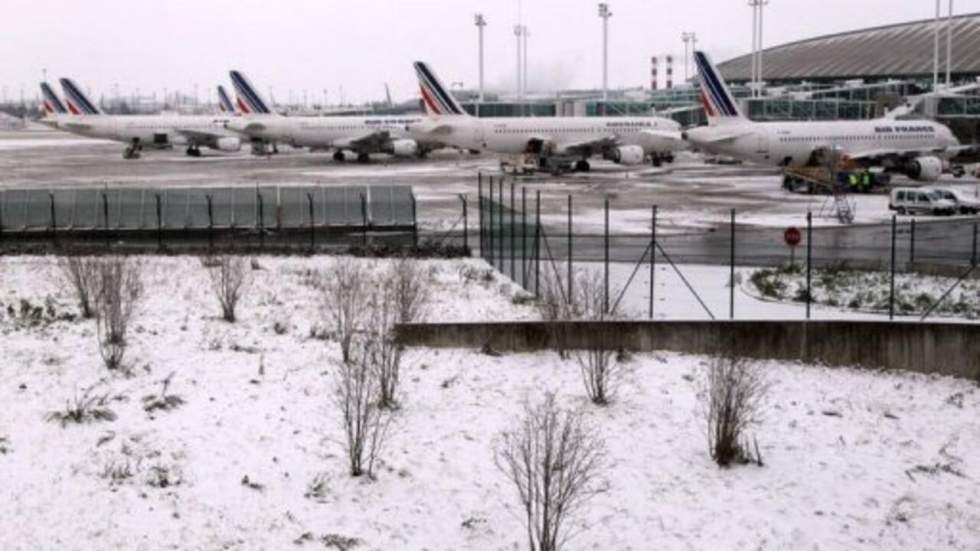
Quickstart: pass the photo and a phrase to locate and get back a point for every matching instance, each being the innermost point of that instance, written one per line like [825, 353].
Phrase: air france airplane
[919, 149]
[556, 142]
[224, 102]
[362, 135]
[54, 109]
[139, 131]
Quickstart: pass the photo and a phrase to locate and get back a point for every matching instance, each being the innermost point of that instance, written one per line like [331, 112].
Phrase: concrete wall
[950, 349]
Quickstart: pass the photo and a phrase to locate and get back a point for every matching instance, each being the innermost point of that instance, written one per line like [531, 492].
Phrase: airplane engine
[926, 169]
[627, 155]
[404, 148]
[228, 143]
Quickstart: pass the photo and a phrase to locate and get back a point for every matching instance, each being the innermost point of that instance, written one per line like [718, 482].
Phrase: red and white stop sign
[792, 236]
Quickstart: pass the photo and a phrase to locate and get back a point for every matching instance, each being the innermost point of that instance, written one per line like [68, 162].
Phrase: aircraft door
[762, 145]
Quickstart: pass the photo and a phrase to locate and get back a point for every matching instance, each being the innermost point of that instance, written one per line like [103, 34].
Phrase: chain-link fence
[517, 243]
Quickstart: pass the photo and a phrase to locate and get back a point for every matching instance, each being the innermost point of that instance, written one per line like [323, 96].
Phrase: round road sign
[792, 236]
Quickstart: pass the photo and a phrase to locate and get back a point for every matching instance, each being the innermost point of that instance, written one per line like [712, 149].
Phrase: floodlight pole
[518, 30]
[481, 22]
[949, 46]
[755, 36]
[524, 33]
[605, 14]
[935, 49]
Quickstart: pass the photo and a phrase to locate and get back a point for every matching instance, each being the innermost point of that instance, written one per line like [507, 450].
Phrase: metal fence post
[479, 204]
[105, 213]
[500, 252]
[570, 237]
[973, 259]
[364, 222]
[159, 206]
[261, 219]
[524, 237]
[809, 262]
[605, 279]
[490, 245]
[891, 294]
[210, 223]
[537, 246]
[513, 254]
[309, 199]
[912, 243]
[54, 220]
[466, 225]
[653, 254]
[731, 274]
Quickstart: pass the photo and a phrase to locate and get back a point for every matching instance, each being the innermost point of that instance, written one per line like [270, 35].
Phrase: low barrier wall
[949, 349]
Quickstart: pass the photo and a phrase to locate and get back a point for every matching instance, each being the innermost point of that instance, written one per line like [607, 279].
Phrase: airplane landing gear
[133, 151]
[339, 157]
[582, 166]
[193, 151]
[363, 158]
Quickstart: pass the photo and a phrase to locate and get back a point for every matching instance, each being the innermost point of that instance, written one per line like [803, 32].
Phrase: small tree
[120, 290]
[554, 462]
[81, 274]
[345, 290]
[384, 354]
[601, 373]
[365, 425]
[556, 308]
[229, 278]
[734, 391]
[411, 289]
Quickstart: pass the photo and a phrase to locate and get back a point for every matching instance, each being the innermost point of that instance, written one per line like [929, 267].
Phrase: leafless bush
[365, 424]
[81, 274]
[84, 409]
[162, 401]
[555, 463]
[411, 289]
[120, 290]
[733, 394]
[556, 308]
[229, 278]
[383, 354]
[601, 371]
[345, 287]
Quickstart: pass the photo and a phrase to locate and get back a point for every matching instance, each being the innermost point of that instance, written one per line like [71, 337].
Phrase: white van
[964, 203]
[920, 201]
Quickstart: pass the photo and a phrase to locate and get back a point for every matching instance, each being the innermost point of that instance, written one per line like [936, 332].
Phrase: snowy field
[853, 459]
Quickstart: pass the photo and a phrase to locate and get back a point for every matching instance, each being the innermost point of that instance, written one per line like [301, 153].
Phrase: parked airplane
[224, 102]
[919, 149]
[139, 131]
[557, 142]
[362, 135]
[54, 109]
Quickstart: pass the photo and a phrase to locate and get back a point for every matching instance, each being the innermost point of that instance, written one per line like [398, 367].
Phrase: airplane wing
[720, 135]
[879, 155]
[372, 141]
[202, 136]
[586, 147]
[76, 126]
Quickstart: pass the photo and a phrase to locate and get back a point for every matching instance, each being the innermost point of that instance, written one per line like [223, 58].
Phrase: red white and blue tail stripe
[51, 103]
[250, 102]
[78, 102]
[224, 101]
[436, 99]
[717, 99]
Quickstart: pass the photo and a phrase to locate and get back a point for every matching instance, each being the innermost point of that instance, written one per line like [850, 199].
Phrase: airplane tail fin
[78, 102]
[436, 98]
[51, 102]
[718, 101]
[224, 101]
[250, 102]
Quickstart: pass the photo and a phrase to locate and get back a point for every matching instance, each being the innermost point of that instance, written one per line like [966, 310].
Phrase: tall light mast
[480, 22]
[605, 14]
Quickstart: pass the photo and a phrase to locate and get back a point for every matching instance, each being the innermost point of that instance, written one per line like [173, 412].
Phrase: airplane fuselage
[149, 130]
[511, 136]
[323, 132]
[793, 143]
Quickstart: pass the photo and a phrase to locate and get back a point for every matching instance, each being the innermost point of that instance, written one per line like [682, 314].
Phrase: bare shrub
[81, 274]
[120, 290]
[555, 463]
[601, 371]
[411, 289]
[365, 424]
[84, 409]
[162, 401]
[382, 353]
[555, 307]
[229, 278]
[345, 289]
[733, 394]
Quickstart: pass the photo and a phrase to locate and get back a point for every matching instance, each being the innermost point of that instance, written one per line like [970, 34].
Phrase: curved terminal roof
[898, 51]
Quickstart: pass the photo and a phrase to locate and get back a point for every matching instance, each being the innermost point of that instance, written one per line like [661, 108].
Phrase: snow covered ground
[853, 459]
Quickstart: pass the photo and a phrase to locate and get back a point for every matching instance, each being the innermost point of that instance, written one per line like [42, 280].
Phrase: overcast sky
[359, 45]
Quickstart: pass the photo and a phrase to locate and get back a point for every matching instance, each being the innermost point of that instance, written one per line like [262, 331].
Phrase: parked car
[920, 201]
[964, 203]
